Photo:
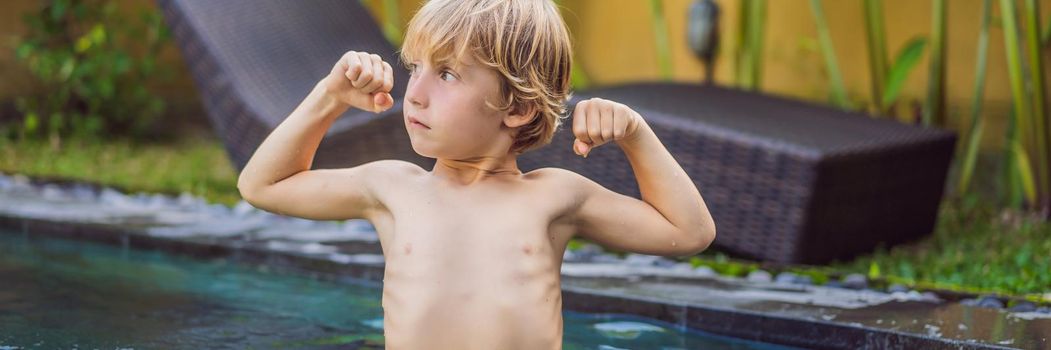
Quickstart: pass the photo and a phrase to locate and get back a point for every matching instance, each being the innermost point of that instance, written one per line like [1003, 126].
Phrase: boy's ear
[520, 116]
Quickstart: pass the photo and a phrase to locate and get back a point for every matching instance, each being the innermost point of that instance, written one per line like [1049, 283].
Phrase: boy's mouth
[415, 122]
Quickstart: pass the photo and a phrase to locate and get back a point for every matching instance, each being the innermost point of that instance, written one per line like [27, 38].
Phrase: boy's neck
[471, 170]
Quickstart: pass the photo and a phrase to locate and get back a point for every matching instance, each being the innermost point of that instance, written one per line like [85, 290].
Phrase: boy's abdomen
[501, 294]
[437, 317]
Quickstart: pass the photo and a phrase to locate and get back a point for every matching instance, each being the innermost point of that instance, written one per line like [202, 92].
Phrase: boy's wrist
[324, 89]
[632, 138]
[327, 101]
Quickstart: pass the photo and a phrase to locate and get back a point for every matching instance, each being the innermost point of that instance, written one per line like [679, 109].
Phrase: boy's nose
[415, 93]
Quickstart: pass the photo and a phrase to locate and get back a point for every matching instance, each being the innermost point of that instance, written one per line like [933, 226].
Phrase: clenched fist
[361, 80]
[597, 121]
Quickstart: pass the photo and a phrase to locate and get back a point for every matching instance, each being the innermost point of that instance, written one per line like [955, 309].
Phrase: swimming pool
[58, 293]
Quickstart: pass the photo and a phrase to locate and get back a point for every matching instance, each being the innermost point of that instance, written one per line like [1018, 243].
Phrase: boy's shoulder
[391, 169]
[563, 178]
[395, 165]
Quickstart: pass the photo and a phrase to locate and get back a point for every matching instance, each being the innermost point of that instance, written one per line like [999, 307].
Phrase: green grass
[195, 165]
[975, 248]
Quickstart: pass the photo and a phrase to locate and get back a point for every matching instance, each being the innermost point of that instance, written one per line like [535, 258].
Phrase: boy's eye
[447, 76]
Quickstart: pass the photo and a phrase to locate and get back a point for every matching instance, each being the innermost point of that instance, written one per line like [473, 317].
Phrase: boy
[474, 246]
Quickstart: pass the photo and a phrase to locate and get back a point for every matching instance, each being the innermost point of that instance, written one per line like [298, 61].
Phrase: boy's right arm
[278, 177]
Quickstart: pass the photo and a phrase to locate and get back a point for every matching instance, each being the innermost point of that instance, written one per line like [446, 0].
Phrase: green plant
[877, 45]
[903, 64]
[1020, 175]
[887, 83]
[839, 92]
[91, 62]
[1036, 83]
[660, 36]
[972, 139]
[392, 22]
[749, 60]
[934, 107]
[1007, 243]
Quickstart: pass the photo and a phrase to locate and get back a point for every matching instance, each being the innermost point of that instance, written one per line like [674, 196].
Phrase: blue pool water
[67, 294]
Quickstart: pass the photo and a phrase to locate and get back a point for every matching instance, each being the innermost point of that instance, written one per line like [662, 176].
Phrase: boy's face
[451, 101]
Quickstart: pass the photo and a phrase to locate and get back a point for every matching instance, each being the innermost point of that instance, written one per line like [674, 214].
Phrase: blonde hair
[525, 41]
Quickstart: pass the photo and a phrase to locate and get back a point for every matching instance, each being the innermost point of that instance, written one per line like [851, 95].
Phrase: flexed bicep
[625, 223]
[328, 194]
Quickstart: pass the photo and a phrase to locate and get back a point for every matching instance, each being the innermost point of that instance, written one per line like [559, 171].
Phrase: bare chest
[479, 232]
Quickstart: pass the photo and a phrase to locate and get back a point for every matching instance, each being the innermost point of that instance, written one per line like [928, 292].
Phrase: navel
[408, 248]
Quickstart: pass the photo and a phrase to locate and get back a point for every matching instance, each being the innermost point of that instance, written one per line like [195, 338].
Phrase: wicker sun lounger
[786, 181]
[253, 61]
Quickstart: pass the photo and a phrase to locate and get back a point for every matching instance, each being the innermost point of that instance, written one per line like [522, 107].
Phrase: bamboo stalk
[1013, 187]
[974, 136]
[839, 92]
[756, 25]
[660, 34]
[933, 109]
[1025, 171]
[1014, 70]
[1036, 76]
[877, 45]
[742, 43]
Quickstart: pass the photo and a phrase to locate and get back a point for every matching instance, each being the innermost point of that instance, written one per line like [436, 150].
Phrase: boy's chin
[424, 151]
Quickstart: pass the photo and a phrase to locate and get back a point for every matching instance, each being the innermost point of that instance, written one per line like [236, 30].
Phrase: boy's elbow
[249, 191]
[247, 194]
[699, 240]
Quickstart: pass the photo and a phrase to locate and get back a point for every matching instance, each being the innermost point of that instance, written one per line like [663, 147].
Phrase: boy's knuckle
[579, 131]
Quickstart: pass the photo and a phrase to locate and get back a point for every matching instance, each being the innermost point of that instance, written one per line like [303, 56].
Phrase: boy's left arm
[671, 219]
